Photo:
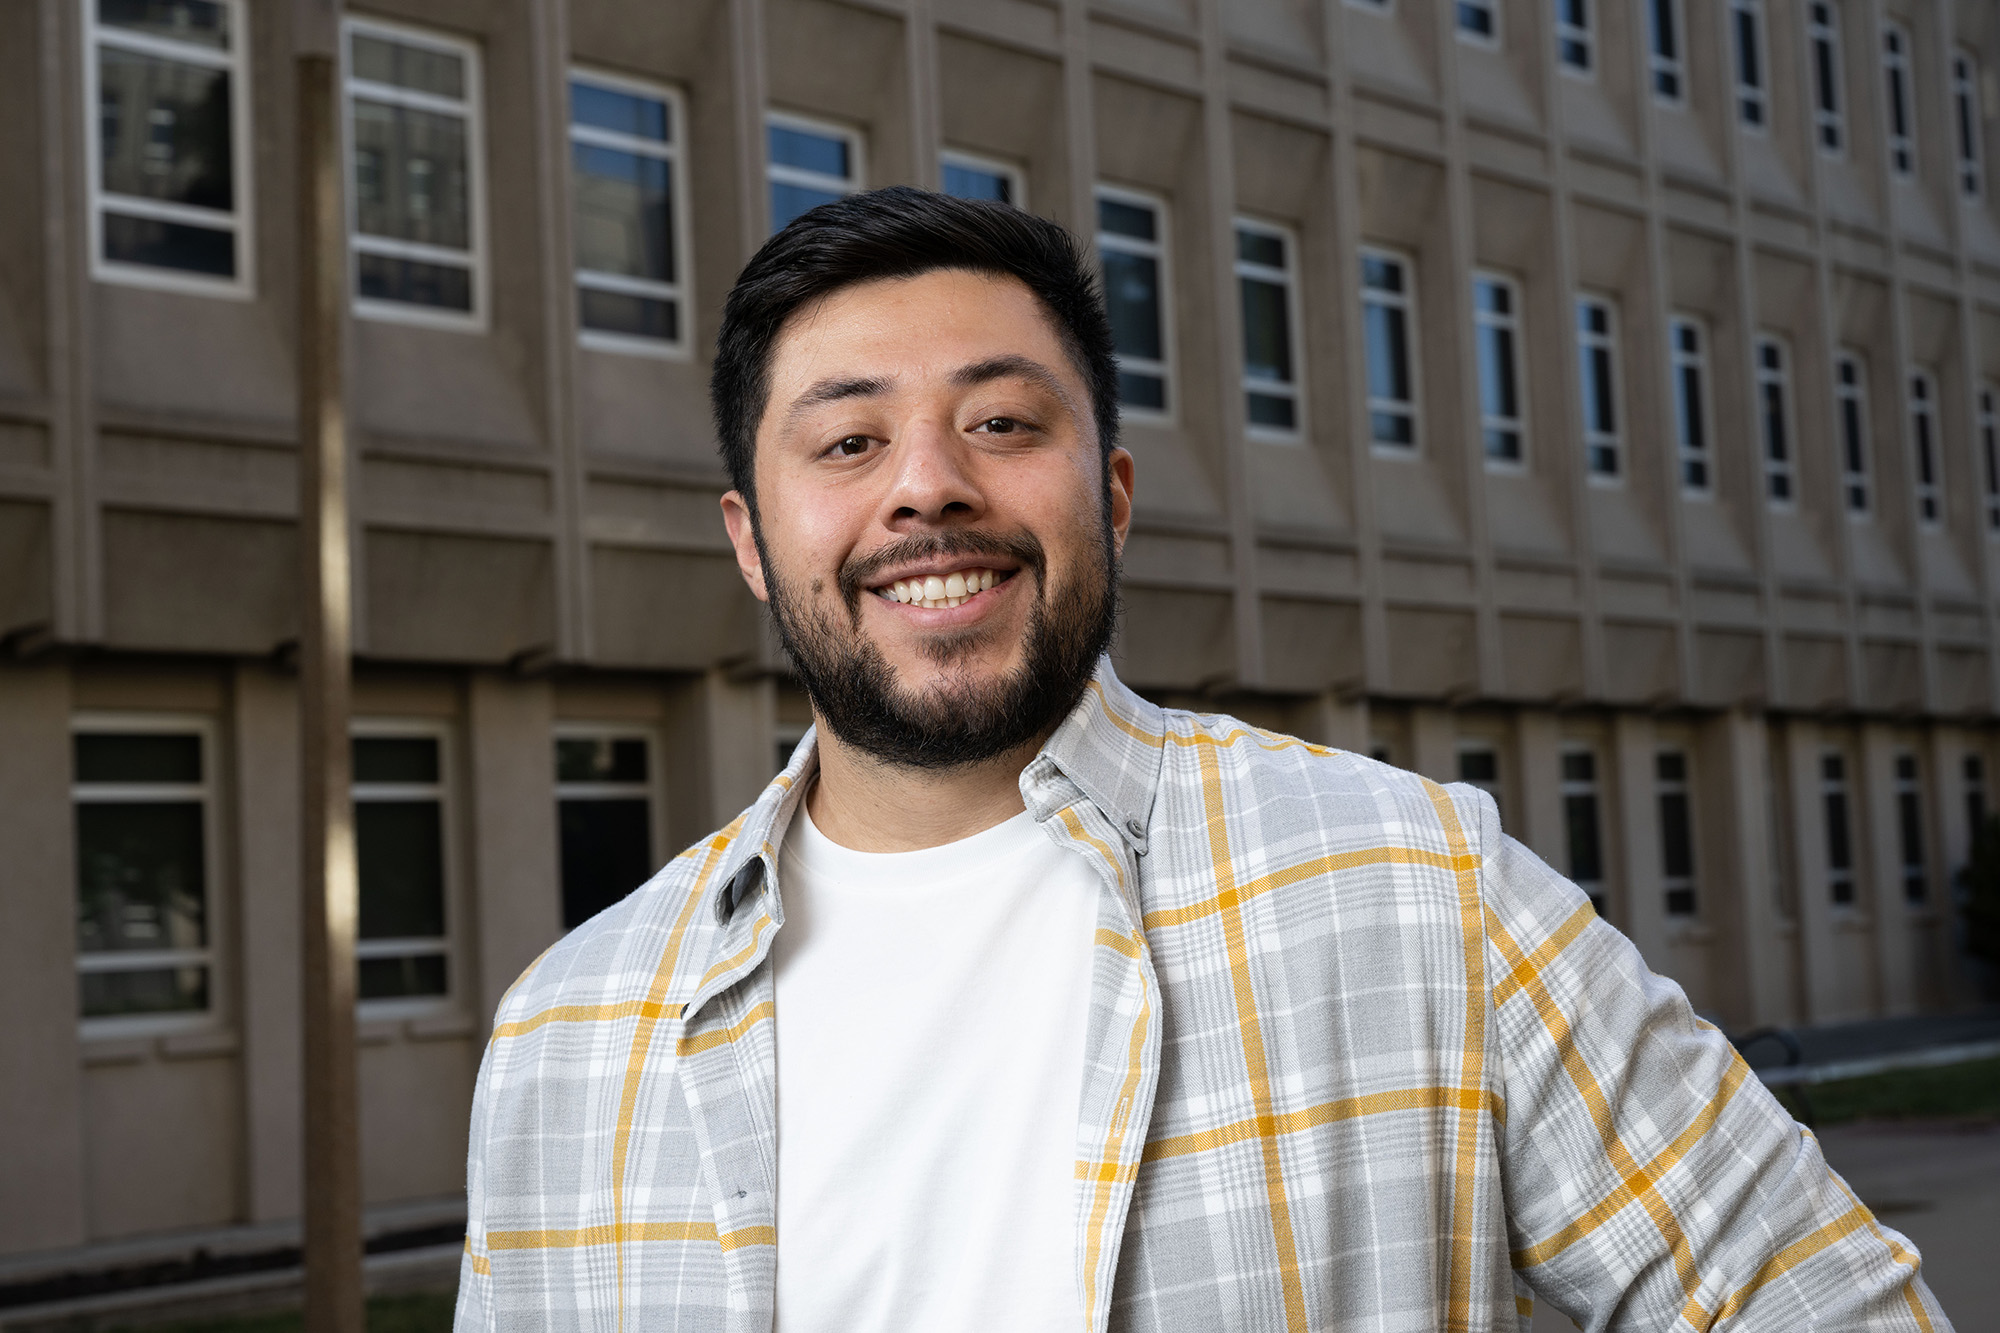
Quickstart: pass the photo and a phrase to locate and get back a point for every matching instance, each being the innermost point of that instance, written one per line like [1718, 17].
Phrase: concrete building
[1593, 399]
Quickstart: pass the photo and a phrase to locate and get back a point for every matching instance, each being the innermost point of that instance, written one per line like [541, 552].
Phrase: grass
[428, 1312]
[1969, 1091]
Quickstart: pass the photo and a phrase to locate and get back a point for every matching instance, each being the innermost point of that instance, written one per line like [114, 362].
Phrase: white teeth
[935, 593]
[954, 585]
[933, 588]
[985, 579]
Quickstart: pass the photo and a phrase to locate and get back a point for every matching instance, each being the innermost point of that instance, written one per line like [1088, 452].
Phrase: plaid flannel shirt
[1355, 1059]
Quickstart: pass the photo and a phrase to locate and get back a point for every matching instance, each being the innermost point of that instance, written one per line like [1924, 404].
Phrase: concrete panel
[41, 1120]
[1815, 672]
[416, 1104]
[480, 599]
[27, 593]
[194, 355]
[1175, 639]
[1964, 681]
[799, 35]
[179, 581]
[1026, 129]
[671, 608]
[516, 882]
[1290, 28]
[1311, 646]
[1892, 677]
[1431, 653]
[1543, 656]
[1729, 667]
[1641, 663]
[164, 1143]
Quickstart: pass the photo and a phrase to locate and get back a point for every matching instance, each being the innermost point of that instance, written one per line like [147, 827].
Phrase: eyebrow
[965, 377]
[834, 391]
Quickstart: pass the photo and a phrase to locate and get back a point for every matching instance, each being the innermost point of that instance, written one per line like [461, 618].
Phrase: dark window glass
[176, 245]
[1141, 390]
[633, 316]
[971, 183]
[620, 112]
[411, 179]
[624, 213]
[395, 759]
[1671, 767]
[1910, 827]
[1388, 353]
[164, 129]
[1599, 401]
[826, 154]
[607, 851]
[1676, 836]
[1586, 856]
[601, 759]
[1478, 766]
[1666, 41]
[789, 201]
[1259, 247]
[1268, 409]
[1839, 851]
[421, 69]
[1749, 64]
[1579, 766]
[137, 757]
[402, 978]
[1384, 275]
[1132, 300]
[196, 22]
[141, 872]
[1122, 219]
[1267, 332]
[413, 282]
[1391, 428]
[153, 991]
[399, 849]
[1475, 18]
[1498, 378]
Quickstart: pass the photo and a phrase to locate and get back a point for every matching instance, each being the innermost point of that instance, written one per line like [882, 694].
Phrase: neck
[870, 806]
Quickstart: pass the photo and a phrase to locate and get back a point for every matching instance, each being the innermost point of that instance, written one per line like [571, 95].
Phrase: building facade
[1598, 401]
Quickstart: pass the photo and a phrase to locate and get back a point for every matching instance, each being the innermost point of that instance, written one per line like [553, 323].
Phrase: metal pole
[333, 1293]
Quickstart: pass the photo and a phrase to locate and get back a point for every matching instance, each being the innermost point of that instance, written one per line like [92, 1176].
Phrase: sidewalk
[1873, 1046]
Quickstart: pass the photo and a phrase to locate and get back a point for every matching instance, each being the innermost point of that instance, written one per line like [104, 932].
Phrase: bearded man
[1018, 1003]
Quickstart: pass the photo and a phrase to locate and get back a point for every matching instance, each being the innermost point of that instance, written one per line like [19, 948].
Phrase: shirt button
[1135, 828]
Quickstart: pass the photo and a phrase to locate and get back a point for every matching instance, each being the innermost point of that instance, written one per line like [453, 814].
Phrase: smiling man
[1019, 1003]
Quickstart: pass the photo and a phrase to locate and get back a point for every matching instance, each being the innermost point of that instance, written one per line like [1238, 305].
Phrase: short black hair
[899, 232]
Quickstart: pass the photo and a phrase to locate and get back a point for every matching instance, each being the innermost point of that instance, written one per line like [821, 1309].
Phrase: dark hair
[899, 232]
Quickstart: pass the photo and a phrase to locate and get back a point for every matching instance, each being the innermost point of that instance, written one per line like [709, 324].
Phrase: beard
[957, 720]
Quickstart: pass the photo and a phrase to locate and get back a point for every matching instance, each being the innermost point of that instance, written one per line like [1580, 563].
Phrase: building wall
[539, 548]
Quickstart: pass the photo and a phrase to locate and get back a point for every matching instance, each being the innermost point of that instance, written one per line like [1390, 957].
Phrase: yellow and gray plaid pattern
[1356, 1060]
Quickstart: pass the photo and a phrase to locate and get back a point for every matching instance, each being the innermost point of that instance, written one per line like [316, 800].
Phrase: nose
[932, 479]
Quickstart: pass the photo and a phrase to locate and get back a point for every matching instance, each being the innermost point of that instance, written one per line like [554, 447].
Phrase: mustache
[1024, 548]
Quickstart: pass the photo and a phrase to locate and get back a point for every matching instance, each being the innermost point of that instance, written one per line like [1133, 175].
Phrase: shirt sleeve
[1651, 1180]
[475, 1273]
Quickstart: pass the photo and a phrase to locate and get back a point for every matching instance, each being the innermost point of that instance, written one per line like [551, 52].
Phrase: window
[624, 142]
[1132, 245]
[1923, 440]
[1663, 21]
[1973, 768]
[1573, 40]
[604, 811]
[1910, 828]
[143, 929]
[1896, 70]
[1479, 765]
[1774, 417]
[808, 163]
[1690, 372]
[1386, 313]
[1823, 27]
[1989, 452]
[1746, 26]
[1853, 405]
[969, 177]
[1597, 354]
[1580, 824]
[1839, 841]
[399, 842]
[169, 170]
[414, 197]
[1479, 22]
[1267, 281]
[1670, 769]
[1496, 313]
[1965, 112]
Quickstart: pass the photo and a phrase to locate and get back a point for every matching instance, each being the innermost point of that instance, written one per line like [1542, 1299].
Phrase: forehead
[913, 329]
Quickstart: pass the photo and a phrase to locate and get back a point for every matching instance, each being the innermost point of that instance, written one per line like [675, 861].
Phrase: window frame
[1898, 100]
[1972, 790]
[1780, 378]
[240, 221]
[1594, 439]
[1913, 855]
[1683, 787]
[674, 153]
[1828, 87]
[1289, 279]
[1406, 301]
[1160, 250]
[214, 910]
[653, 790]
[449, 945]
[1989, 450]
[1016, 177]
[1580, 36]
[1568, 788]
[1659, 65]
[1512, 325]
[1926, 449]
[1757, 93]
[1840, 879]
[777, 173]
[1496, 786]
[1853, 397]
[472, 106]
[1488, 40]
[1968, 136]
[1680, 361]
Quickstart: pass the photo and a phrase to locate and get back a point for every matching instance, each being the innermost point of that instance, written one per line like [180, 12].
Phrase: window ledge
[199, 1045]
[116, 1051]
[441, 1027]
[1853, 923]
[376, 1031]
[1690, 932]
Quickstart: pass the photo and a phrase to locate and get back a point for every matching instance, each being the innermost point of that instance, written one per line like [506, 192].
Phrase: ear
[743, 536]
[1118, 481]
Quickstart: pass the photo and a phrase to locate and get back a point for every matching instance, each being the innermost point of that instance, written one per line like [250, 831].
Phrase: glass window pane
[1388, 354]
[197, 22]
[399, 851]
[413, 282]
[140, 876]
[395, 759]
[162, 990]
[1391, 428]
[1259, 247]
[607, 851]
[1497, 380]
[789, 201]
[1269, 409]
[1123, 219]
[164, 129]
[421, 69]
[137, 757]
[624, 213]
[1586, 859]
[1138, 389]
[410, 180]
[1478, 766]
[175, 245]
[619, 111]
[965, 182]
[1839, 854]
[399, 978]
[629, 315]
[1910, 825]
[1267, 332]
[1676, 836]
[601, 759]
[1132, 300]
[1579, 766]
[1384, 275]
[824, 153]
[1671, 767]
[1600, 402]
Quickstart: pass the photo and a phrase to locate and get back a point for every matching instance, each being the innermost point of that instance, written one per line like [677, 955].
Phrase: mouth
[938, 589]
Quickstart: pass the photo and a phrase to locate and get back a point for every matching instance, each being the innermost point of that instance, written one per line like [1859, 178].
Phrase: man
[1019, 1003]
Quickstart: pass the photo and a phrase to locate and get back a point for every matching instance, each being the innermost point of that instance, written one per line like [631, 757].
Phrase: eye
[999, 426]
[851, 445]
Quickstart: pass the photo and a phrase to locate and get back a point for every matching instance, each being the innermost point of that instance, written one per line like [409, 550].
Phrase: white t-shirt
[931, 1011]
